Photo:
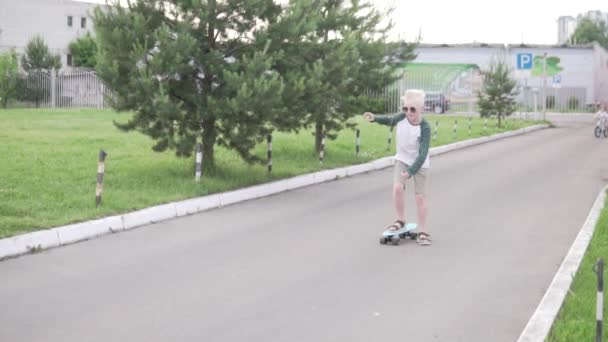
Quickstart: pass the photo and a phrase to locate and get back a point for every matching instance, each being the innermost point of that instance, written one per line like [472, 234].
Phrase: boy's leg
[422, 209]
[420, 180]
[398, 201]
[399, 190]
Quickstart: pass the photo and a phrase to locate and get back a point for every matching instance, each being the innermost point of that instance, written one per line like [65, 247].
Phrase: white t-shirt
[408, 143]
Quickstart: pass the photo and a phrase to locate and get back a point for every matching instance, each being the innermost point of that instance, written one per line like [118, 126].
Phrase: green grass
[576, 319]
[49, 164]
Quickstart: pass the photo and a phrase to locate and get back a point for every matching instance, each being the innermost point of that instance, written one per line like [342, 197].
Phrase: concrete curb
[59, 236]
[540, 323]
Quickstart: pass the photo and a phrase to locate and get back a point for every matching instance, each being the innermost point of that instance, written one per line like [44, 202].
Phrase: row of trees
[228, 72]
[37, 58]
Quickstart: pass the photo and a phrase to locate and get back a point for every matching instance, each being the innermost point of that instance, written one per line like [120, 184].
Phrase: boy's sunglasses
[410, 109]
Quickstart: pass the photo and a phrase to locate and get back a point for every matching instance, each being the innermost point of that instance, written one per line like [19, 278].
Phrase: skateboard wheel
[413, 236]
[395, 240]
[383, 240]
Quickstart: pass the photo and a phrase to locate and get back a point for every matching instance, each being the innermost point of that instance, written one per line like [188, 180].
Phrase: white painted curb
[22, 244]
[540, 323]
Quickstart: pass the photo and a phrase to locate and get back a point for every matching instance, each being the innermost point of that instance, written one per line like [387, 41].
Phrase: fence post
[322, 152]
[53, 88]
[269, 141]
[436, 129]
[455, 129]
[199, 163]
[100, 172]
[358, 142]
[599, 270]
[471, 91]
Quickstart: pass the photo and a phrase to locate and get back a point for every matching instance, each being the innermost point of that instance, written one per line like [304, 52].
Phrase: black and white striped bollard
[322, 152]
[269, 140]
[358, 142]
[599, 270]
[101, 168]
[199, 163]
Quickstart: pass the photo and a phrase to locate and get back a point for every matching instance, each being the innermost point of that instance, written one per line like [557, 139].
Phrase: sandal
[423, 239]
[398, 224]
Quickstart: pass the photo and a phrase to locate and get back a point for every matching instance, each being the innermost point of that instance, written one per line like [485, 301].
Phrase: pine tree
[335, 57]
[497, 97]
[38, 57]
[192, 71]
[38, 62]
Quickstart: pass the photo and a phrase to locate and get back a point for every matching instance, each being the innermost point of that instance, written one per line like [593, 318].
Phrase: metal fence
[450, 88]
[74, 88]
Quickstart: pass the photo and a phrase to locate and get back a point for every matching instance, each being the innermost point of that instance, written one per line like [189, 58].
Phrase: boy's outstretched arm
[388, 120]
[425, 144]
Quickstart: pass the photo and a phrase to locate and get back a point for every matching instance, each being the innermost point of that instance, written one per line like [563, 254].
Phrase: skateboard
[393, 236]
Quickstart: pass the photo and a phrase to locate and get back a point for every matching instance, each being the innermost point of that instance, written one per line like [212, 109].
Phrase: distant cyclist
[602, 117]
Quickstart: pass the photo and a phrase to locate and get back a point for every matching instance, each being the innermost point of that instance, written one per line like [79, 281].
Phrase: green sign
[553, 67]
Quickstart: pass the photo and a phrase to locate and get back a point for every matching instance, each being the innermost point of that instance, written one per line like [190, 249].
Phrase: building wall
[459, 54]
[565, 28]
[580, 66]
[601, 73]
[575, 79]
[21, 20]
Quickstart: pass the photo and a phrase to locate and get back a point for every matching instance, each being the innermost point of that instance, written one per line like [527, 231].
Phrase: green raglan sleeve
[425, 144]
[389, 120]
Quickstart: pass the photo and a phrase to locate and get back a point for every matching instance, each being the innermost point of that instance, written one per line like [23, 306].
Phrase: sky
[482, 21]
[489, 21]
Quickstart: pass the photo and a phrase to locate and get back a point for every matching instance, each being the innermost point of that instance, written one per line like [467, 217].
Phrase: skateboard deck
[393, 236]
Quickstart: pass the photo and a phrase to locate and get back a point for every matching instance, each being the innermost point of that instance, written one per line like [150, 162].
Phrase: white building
[59, 22]
[579, 71]
[566, 25]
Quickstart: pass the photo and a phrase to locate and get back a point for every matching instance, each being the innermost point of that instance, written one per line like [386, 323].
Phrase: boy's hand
[405, 174]
[369, 116]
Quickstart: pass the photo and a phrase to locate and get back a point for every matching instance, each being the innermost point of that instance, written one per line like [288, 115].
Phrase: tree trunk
[318, 136]
[499, 121]
[209, 129]
[209, 138]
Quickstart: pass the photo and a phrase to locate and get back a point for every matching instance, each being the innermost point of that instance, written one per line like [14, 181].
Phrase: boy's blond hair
[413, 98]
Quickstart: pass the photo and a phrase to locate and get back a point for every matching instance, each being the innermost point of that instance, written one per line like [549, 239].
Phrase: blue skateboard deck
[393, 237]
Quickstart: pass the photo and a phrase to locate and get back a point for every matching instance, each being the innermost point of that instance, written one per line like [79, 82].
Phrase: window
[69, 20]
[83, 22]
[69, 61]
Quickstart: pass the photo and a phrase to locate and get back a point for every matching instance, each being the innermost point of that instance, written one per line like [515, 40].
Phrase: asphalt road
[307, 266]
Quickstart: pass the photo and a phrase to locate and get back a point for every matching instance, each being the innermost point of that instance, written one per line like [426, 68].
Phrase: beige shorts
[419, 178]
